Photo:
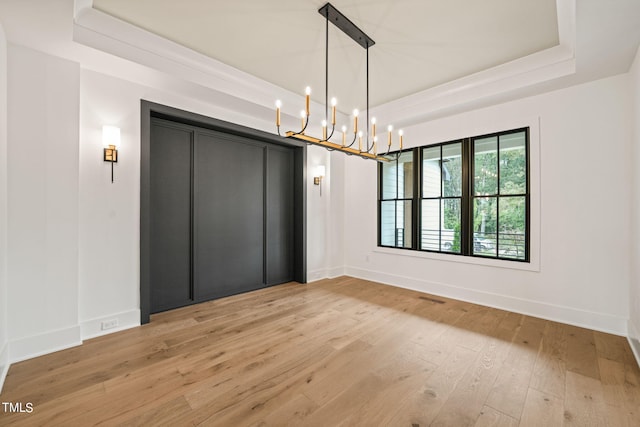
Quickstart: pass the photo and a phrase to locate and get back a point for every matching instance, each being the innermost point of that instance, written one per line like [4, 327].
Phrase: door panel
[229, 215]
[171, 219]
[279, 219]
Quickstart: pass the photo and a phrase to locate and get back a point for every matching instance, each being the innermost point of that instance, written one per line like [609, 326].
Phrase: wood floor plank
[489, 417]
[465, 403]
[341, 351]
[404, 373]
[584, 402]
[509, 392]
[581, 352]
[549, 371]
[292, 413]
[542, 410]
[423, 405]
[621, 392]
[613, 348]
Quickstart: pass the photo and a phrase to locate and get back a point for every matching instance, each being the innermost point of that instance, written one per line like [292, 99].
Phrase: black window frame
[467, 198]
[412, 199]
[441, 198]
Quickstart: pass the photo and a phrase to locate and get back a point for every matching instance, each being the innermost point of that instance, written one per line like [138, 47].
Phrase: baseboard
[634, 340]
[94, 328]
[325, 273]
[38, 345]
[4, 364]
[572, 316]
[334, 272]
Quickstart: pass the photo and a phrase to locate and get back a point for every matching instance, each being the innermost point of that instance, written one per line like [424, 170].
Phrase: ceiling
[420, 44]
[283, 51]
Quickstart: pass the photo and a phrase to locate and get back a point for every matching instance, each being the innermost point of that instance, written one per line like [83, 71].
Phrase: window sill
[532, 265]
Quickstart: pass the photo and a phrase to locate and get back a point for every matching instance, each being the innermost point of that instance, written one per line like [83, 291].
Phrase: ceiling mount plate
[347, 27]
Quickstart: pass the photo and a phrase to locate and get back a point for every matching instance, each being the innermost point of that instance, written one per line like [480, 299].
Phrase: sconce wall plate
[320, 173]
[111, 139]
[111, 154]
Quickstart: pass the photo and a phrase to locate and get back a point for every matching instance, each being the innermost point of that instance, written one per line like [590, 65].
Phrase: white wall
[634, 295]
[4, 348]
[584, 140]
[336, 215]
[325, 213]
[42, 296]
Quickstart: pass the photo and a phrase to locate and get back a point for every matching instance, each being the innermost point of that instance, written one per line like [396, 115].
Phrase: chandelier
[369, 148]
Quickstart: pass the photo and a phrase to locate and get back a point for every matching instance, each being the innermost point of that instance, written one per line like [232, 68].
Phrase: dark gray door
[222, 214]
[171, 219]
[279, 224]
[229, 215]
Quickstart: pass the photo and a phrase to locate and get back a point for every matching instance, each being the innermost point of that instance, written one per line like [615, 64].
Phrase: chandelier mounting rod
[368, 150]
[345, 24]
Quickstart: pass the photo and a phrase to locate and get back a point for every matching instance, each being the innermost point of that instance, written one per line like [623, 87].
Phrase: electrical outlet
[109, 324]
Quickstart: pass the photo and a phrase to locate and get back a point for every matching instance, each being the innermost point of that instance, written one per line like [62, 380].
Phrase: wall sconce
[111, 140]
[317, 180]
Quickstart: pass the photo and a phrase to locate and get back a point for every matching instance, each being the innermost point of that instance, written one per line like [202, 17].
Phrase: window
[441, 204]
[396, 202]
[467, 197]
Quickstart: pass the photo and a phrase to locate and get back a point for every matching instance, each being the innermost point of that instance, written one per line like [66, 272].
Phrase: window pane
[440, 226]
[430, 226]
[431, 172]
[395, 223]
[387, 223]
[485, 166]
[397, 177]
[450, 231]
[404, 227]
[405, 175]
[512, 220]
[513, 166]
[484, 226]
[452, 170]
[389, 180]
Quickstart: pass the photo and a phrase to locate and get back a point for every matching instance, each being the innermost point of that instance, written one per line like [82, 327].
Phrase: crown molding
[99, 30]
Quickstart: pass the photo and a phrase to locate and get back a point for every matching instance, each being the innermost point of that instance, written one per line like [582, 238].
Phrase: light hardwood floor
[336, 352]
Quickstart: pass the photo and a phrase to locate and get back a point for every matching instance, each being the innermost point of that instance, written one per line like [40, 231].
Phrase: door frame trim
[150, 109]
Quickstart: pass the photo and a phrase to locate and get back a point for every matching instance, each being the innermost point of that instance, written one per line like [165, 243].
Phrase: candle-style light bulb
[324, 130]
[355, 120]
[334, 102]
[278, 106]
[303, 117]
[307, 92]
[389, 129]
[375, 146]
[360, 141]
[400, 134]
[344, 135]
[373, 126]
